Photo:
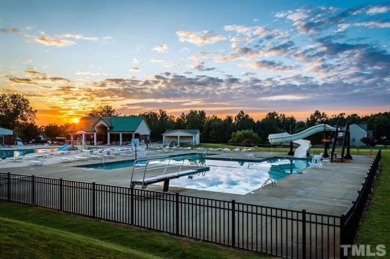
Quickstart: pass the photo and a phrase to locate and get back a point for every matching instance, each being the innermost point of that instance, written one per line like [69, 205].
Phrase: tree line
[241, 129]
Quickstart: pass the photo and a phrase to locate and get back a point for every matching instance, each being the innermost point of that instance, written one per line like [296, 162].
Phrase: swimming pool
[227, 176]
[23, 151]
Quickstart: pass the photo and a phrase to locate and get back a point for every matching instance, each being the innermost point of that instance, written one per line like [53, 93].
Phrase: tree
[213, 129]
[53, 130]
[15, 110]
[28, 131]
[17, 114]
[245, 138]
[158, 123]
[243, 121]
[196, 120]
[317, 118]
[103, 111]
[380, 126]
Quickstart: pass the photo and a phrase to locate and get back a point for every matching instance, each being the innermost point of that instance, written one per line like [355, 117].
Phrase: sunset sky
[221, 56]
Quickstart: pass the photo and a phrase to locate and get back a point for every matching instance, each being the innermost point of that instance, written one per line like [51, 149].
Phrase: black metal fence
[274, 231]
[350, 220]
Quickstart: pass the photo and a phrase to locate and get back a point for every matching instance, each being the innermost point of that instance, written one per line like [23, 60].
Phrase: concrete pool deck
[330, 189]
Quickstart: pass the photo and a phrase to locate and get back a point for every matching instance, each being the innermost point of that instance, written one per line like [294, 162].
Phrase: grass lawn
[375, 226]
[32, 232]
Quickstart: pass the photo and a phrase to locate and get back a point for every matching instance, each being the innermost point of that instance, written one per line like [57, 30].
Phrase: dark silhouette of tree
[317, 118]
[15, 110]
[243, 121]
[103, 111]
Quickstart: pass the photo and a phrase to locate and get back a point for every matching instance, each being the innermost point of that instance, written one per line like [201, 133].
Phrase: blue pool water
[23, 151]
[227, 176]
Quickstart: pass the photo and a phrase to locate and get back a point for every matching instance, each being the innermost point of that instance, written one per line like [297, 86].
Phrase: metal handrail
[150, 169]
[269, 180]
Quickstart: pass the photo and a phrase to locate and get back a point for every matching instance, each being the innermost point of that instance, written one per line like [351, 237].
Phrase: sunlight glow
[75, 120]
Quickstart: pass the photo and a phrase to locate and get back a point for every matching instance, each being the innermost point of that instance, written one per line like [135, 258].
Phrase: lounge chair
[316, 161]
[81, 158]
[16, 159]
[36, 162]
[67, 159]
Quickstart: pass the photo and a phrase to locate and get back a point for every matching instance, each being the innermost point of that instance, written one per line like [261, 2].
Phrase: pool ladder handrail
[145, 166]
[273, 182]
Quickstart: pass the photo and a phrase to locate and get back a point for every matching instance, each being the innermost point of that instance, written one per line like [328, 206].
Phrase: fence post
[303, 233]
[32, 189]
[132, 205]
[177, 213]
[61, 186]
[94, 199]
[8, 186]
[233, 223]
[342, 237]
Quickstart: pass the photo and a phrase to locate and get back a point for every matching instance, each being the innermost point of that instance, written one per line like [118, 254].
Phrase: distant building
[110, 130]
[181, 137]
[6, 136]
[358, 131]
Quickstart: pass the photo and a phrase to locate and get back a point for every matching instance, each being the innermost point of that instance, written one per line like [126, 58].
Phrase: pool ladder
[273, 182]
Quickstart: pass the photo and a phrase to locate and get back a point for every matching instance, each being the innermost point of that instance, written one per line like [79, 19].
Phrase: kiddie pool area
[235, 176]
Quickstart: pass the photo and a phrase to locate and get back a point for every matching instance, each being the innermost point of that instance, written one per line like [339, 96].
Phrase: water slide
[298, 138]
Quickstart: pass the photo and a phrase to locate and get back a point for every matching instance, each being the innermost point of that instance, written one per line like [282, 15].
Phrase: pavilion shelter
[118, 130]
[181, 137]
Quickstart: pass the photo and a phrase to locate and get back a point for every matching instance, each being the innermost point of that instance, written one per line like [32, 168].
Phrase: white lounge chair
[81, 158]
[36, 162]
[316, 161]
[67, 159]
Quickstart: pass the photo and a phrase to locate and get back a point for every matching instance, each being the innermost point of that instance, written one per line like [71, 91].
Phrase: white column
[94, 139]
[120, 138]
[178, 141]
[83, 140]
[108, 138]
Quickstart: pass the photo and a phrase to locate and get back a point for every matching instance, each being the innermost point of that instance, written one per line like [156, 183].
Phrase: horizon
[220, 56]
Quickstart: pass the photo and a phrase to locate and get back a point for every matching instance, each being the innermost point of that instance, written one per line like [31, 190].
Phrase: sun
[76, 120]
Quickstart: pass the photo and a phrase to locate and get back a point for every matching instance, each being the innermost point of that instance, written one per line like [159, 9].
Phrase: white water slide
[304, 145]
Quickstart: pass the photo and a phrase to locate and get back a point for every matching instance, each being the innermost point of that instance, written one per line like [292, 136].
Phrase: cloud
[269, 65]
[200, 67]
[378, 10]
[222, 95]
[162, 48]
[87, 73]
[11, 30]
[137, 61]
[314, 20]
[63, 40]
[134, 69]
[199, 38]
[256, 31]
[50, 41]
[77, 37]
[373, 24]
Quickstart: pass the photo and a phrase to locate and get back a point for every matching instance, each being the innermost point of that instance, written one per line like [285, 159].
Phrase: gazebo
[110, 130]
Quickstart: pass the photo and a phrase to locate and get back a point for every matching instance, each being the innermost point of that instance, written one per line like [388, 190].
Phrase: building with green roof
[110, 130]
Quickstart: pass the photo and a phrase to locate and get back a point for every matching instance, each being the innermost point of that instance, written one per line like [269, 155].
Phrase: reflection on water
[238, 177]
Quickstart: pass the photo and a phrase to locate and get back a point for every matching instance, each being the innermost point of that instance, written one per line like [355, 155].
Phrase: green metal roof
[123, 124]
[115, 124]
